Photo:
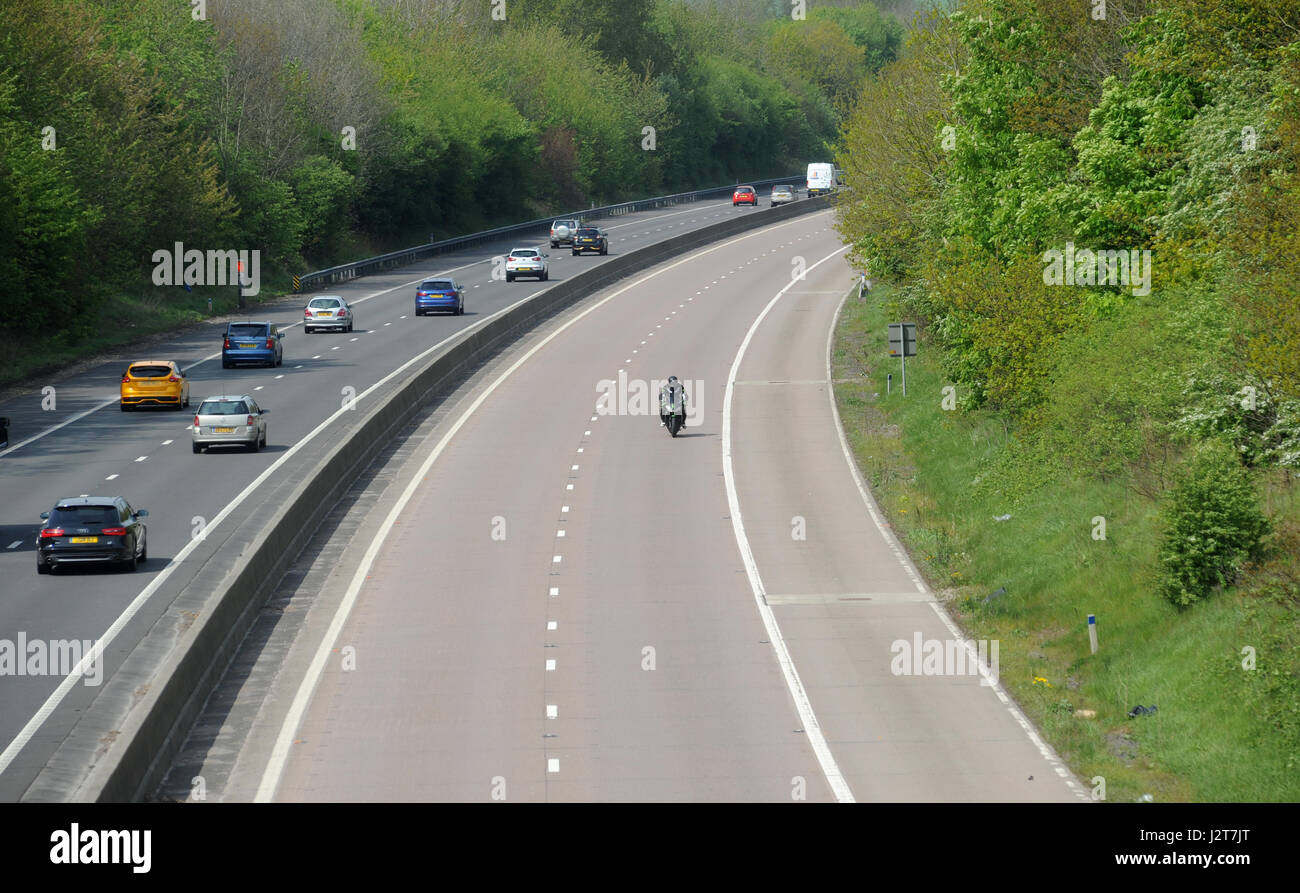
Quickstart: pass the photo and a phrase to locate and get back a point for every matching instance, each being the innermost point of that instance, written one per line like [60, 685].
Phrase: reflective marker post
[902, 344]
[1092, 632]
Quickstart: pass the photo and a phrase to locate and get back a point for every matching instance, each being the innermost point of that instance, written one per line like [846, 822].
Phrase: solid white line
[15, 544]
[903, 559]
[307, 687]
[839, 785]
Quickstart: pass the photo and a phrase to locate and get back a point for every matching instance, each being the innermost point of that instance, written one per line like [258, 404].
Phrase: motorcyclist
[672, 393]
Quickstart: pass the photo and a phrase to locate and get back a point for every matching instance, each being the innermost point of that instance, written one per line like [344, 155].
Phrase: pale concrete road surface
[561, 612]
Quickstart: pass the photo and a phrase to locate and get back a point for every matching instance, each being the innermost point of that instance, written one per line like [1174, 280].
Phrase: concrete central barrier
[126, 738]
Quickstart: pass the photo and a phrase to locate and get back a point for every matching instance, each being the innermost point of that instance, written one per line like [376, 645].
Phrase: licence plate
[223, 430]
[324, 312]
[247, 346]
[84, 539]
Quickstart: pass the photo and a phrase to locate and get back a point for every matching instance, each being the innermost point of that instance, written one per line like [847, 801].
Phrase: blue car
[252, 342]
[439, 294]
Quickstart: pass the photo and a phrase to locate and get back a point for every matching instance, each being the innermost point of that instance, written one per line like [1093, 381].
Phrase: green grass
[1222, 733]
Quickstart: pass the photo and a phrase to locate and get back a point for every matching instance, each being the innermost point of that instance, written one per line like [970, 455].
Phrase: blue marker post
[1092, 632]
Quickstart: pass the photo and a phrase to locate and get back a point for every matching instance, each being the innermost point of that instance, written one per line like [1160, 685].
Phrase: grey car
[328, 312]
[229, 421]
[782, 195]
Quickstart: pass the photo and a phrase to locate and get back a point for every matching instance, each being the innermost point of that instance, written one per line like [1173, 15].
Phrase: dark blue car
[252, 342]
[439, 294]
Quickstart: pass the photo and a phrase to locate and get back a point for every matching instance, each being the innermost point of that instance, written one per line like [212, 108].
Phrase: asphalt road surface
[552, 602]
[68, 438]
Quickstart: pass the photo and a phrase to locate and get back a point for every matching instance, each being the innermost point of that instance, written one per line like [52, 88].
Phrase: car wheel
[604, 251]
[350, 326]
[460, 309]
[129, 564]
[122, 406]
[263, 438]
[42, 567]
[225, 365]
[197, 449]
[510, 277]
[144, 553]
[306, 330]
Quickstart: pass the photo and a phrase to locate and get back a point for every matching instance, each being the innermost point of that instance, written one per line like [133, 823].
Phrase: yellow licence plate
[84, 539]
[223, 430]
[325, 313]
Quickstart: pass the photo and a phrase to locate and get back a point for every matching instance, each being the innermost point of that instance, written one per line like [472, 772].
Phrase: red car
[744, 195]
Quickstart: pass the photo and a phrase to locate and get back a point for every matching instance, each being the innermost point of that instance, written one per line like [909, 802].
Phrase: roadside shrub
[1211, 525]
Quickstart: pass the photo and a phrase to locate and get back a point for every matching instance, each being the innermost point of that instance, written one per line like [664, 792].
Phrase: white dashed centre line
[552, 765]
[555, 590]
[16, 543]
[165, 442]
[556, 559]
[552, 624]
[552, 711]
[141, 458]
[111, 477]
[550, 665]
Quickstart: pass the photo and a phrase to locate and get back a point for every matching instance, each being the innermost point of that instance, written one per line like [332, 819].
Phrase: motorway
[545, 602]
[68, 438]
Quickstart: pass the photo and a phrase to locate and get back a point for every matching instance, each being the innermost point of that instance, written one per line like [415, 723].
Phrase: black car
[91, 530]
[588, 238]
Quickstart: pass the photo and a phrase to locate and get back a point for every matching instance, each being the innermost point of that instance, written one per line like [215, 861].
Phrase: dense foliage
[1009, 135]
[318, 130]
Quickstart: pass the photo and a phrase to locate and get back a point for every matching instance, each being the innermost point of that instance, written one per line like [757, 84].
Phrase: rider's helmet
[672, 379]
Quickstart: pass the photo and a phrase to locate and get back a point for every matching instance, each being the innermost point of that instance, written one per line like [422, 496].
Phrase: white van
[821, 179]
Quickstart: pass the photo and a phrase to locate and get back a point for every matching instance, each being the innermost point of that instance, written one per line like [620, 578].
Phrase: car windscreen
[325, 302]
[223, 407]
[84, 516]
[246, 330]
[436, 285]
[780, 188]
[589, 232]
[524, 252]
[150, 371]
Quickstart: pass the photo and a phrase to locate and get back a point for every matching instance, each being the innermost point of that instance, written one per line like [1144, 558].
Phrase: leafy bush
[1211, 525]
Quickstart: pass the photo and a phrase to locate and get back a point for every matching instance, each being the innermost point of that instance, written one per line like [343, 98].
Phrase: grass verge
[1223, 731]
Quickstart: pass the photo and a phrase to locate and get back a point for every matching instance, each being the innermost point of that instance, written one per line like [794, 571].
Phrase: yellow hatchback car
[154, 383]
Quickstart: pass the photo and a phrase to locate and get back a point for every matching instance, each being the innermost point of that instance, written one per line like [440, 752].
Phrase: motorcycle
[676, 418]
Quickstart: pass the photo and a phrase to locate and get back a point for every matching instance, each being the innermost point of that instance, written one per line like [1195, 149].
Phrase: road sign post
[902, 344]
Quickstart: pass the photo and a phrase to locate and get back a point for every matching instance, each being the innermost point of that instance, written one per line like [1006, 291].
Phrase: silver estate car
[229, 421]
[781, 195]
[328, 312]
